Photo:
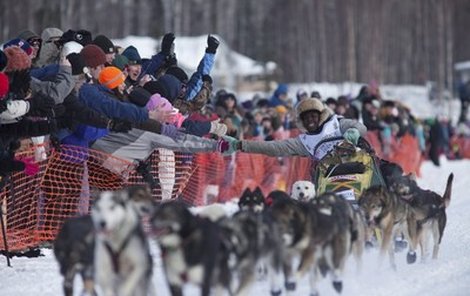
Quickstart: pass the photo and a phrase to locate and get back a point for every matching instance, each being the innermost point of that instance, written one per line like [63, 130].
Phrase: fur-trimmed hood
[309, 105]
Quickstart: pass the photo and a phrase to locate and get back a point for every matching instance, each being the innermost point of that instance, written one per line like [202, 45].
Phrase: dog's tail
[448, 192]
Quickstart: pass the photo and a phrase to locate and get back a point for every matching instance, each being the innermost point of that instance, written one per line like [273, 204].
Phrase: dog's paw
[411, 257]
[369, 245]
[290, 286]
[276, 293]
[338, 286]
[400, 245]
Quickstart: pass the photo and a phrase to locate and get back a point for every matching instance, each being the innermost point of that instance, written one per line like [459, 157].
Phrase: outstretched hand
[352, 135]
[212, 44]
[167, 43]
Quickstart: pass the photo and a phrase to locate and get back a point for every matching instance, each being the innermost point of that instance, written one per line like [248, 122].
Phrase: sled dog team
[280, 237]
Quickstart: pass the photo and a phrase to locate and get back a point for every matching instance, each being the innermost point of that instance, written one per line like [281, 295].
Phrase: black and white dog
[192, 249]
[255, 248]
[122, 254]
[252, 200]
[74, 249]
[74, 246]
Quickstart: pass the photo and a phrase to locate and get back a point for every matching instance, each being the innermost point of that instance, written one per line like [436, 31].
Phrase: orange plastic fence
[35, 207]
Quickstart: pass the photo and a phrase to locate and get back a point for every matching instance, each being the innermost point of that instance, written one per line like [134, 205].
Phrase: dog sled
[347, 170]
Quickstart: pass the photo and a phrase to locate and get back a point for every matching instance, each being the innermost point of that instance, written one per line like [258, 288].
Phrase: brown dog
[427, 215]
[387, 212]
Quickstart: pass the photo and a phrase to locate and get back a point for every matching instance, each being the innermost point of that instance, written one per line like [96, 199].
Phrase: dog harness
[116, 254]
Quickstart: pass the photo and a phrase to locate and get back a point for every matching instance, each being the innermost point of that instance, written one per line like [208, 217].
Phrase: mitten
[222, 146]
[41, 106]
[167, 43]
[352, 135]
[233, 145]
[212, 44]
[218, 128]
[119, 125]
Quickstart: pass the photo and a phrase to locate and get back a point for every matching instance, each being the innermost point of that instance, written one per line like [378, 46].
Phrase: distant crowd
[85, 91]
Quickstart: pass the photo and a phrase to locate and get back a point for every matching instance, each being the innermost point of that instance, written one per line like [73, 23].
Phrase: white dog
[122, 255]
[303, 190]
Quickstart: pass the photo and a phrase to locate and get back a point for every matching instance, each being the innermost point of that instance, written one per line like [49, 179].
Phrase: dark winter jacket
[151, 66]
[99, 98]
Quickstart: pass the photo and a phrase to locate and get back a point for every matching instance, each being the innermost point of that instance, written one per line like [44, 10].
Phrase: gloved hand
[167, 43]
[352, 135]
[233, 145]
[222, 146]
[212, 44]
[171, 131]
[41, 106]
[220, 129]
[119, 125]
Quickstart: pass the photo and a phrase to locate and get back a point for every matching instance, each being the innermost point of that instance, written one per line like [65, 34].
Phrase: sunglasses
[34, 42]
[57, 42]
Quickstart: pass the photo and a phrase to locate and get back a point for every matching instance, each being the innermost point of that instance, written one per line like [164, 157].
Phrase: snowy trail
[449, 275]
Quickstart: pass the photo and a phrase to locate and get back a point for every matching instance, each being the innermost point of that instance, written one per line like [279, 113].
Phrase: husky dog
[335, 232]
[303, 190]
[74, 250]
[253, 241]
[252, 200]
[142, 200]
[386, 211]
[192, 248]
[75, 243]
[428, 216]
[122, 252]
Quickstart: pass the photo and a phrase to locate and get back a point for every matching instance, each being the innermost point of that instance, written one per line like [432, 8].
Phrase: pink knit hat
[157, 101]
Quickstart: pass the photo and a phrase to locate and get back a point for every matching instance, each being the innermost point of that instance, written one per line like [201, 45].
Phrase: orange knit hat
[111, 77]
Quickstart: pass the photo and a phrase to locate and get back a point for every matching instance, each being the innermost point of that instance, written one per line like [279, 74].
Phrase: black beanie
[155, 87]
[104, 43]
[78, 63]
[139, 96]
[81, 36]
[178, 73]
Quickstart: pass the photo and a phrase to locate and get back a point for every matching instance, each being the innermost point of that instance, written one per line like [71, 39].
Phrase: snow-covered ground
[449, 275]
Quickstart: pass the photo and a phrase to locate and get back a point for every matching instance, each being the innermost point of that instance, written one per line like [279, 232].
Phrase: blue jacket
[195, 82]
[84, 135]
[151, 66]
[99, 98]
[275, 101]
[44, 72]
